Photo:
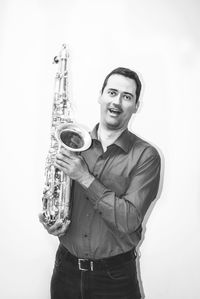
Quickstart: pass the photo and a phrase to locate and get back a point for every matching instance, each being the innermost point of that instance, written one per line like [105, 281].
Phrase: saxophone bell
[73, 137]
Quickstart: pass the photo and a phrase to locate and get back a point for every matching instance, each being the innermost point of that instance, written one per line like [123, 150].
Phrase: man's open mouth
[115, 111]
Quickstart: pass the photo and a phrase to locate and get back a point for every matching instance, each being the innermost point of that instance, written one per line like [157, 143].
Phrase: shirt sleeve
[126, 213]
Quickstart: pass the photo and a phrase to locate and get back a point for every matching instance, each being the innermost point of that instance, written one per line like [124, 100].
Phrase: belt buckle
[84, 269]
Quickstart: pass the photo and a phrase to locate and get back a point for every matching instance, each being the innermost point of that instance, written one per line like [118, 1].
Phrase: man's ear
[136, 106]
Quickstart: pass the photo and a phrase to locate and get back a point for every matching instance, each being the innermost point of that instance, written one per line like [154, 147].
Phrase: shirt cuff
[96, 191]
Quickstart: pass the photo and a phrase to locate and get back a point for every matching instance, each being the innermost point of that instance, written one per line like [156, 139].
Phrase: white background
[159, 39]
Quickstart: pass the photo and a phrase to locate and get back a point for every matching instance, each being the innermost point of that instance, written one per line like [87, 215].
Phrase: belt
[99, 264]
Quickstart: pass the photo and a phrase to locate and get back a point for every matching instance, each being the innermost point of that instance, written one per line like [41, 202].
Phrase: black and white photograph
[100, 149]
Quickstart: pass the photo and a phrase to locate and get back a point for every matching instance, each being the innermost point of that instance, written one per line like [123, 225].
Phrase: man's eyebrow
[129, 93]
[114, 89]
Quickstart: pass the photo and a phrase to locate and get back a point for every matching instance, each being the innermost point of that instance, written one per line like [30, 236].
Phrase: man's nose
[117, 99]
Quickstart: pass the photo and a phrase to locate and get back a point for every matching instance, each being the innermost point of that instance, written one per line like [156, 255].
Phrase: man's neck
[107, 137]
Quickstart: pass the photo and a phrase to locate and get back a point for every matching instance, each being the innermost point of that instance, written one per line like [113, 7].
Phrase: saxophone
[64, 133]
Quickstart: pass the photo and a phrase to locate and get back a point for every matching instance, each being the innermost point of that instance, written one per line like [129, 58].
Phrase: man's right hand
[57, 229]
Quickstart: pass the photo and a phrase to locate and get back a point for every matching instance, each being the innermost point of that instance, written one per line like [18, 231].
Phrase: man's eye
[112, 93]
[127, 97]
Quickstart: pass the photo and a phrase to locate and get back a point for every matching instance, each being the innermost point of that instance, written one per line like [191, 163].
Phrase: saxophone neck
[62, 107]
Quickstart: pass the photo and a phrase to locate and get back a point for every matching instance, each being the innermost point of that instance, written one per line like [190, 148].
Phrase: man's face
[118, 102]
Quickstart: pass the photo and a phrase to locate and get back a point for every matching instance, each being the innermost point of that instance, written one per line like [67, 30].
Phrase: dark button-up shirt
[107, 216]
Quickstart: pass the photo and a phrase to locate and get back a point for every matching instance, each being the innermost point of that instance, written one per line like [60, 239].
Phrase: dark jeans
[68, 282]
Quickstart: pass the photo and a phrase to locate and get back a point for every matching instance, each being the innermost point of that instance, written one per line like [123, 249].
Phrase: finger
[67, 153]
[55, 227]
[63, 230]
[64, 151]
[60, 164]
[59, 228]
[63, 157]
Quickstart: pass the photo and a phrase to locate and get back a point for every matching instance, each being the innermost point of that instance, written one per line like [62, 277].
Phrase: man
[114, 183]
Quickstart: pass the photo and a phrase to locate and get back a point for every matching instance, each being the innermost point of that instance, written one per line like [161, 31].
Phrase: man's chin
[113, 125]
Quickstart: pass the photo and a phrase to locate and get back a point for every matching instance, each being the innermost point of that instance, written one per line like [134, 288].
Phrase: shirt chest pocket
[116, 183]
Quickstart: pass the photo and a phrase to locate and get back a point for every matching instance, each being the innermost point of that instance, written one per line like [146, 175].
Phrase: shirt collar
[125, 140]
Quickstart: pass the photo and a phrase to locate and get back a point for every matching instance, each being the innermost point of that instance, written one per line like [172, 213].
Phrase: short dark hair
[126, 73]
